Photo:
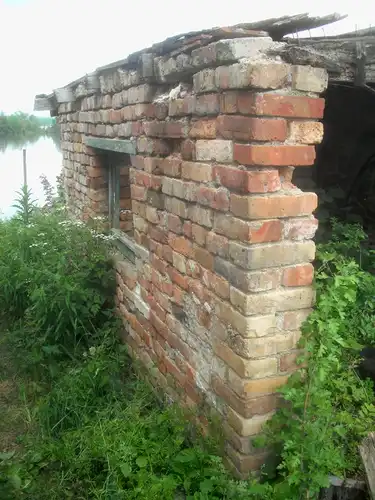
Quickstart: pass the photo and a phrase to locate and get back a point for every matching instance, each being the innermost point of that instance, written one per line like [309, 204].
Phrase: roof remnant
[338, 54]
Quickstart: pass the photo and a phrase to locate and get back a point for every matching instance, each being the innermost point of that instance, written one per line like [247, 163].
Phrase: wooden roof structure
[349, 57]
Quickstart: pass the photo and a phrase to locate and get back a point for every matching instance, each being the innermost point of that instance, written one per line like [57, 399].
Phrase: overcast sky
[45, 44]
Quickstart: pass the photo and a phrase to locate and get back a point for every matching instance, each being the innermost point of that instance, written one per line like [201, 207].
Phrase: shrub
[56, 282]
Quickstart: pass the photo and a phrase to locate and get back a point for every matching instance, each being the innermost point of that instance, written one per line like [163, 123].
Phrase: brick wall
[222, 278]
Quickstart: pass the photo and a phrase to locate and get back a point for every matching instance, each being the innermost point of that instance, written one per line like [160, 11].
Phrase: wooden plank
[282, 26]
[115, 145]
[367, 452]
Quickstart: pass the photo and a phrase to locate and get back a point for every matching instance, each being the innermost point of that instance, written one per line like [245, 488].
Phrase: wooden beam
[367, 452]
[337, 55]
[115, 145]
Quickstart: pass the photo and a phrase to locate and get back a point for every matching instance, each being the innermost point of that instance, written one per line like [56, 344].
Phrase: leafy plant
[328, 407]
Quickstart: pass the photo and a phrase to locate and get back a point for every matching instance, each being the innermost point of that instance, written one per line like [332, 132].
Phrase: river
[42, 157]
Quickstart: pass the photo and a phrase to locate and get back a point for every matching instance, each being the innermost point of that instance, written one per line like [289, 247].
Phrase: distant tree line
[24, 126]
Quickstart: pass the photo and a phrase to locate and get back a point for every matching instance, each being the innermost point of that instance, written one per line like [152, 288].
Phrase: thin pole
[24, 168]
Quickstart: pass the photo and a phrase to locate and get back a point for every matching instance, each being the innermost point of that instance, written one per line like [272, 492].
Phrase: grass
[12, 422]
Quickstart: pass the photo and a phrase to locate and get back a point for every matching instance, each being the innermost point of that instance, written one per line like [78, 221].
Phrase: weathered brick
[176, 207]
[244, 128]
[249, 103]
[262, 75]
[218, 150]
[254, 368]
[288, 362]
[255, 207]
[187, 148]
[199, 234]
[245, 181]
[168, 129]
[171, 167]
[203, 257]
[199, 172]
[247, 426]
[174, 223]
[293, 320]
[200, 215]
[271, 255]
[207, 104]
[204, 81]
[244, 406]
[158, 234]
[246, 326]
[214, 198]
[138, 193]
[306, 132]
[253, 232]
[298, 275]
[256, 387]
[216, 283]
[203, 129]
[309, 79]
[152, 146]
[179, 262]
[300, 229]
[180, 244]
[272, 301]
[217, 244]
[273, 155]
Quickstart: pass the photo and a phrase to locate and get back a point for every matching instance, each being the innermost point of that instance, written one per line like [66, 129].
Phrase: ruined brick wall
[223, 239]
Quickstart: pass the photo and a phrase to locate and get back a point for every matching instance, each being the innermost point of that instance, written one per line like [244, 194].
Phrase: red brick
[216, 283]
[180, 244]
[244, 128]
[274, 155]
[158, 264]
[203, 129]
[199, 172]
[178, 278]
[159, 325]
[214, 198]
[253, 232]
[298, 275]
[171, 167]
[217, 244]
[138, 192]
[178, 295]
[156, 308]
[94, 172]
[174, 223]
[199, 234]
[207, 104]
[254, 181]
[163, 300]
[152, 146]
[248, 103]
[187, 229]
[257, 207]
[167, 253]
[158, 234]
[115, 116]
[141, 178]
[203, 257]
[188, 150]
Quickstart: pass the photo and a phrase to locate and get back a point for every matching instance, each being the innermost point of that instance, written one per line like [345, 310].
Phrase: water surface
[42, 157]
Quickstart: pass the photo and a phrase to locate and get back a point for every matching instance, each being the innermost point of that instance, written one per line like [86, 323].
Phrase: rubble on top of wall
[177, 58]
